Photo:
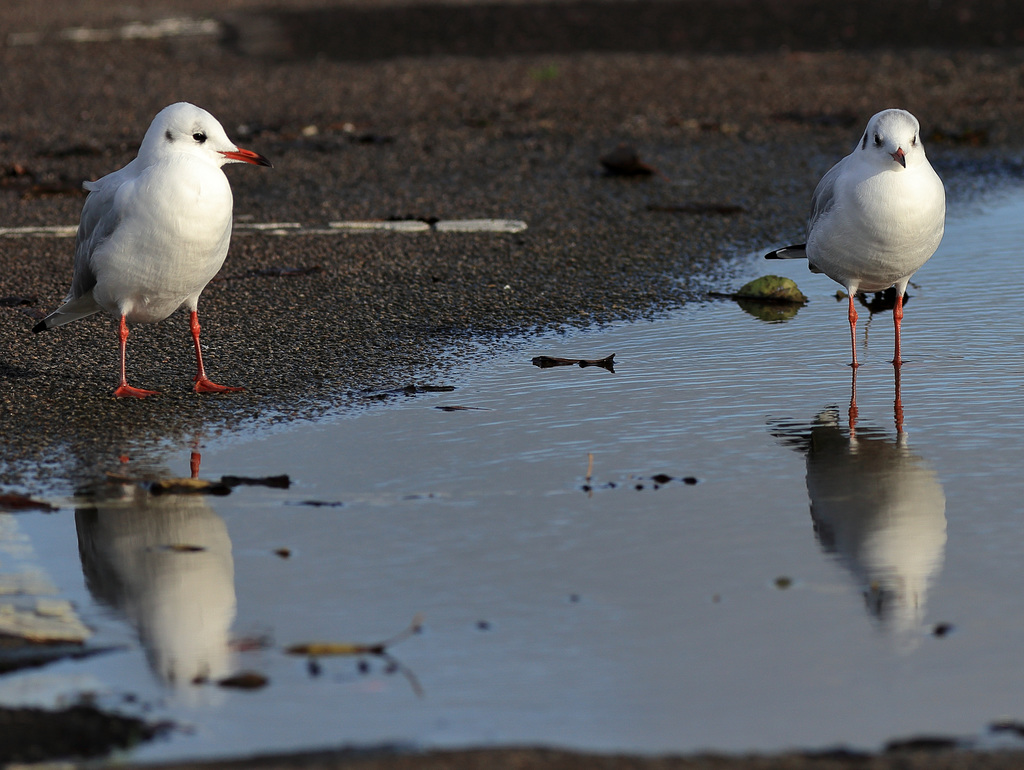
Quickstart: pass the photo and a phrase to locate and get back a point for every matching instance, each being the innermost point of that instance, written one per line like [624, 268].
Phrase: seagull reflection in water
[877, 506]
[165, 563]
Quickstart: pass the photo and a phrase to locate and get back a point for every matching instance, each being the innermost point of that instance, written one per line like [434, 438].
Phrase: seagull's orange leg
[203, 384]
[124, 390]
[897, 317]
[853, 330]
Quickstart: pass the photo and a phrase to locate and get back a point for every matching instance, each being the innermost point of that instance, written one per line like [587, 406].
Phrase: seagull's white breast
[171, 238]
[884, 225]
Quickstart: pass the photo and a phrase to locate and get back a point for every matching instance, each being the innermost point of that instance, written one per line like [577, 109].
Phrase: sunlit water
[793, 597]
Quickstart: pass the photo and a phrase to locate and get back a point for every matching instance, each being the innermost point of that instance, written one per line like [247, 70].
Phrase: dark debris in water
[462, 408]
[17, 652]
[81, 732]
[280, 481]
[547, 362]
[942, 630]
[924, 743]
[244, 680]
[190, 486]
[407, 390]
[1007, 726]
[658, 480]
[12, 502]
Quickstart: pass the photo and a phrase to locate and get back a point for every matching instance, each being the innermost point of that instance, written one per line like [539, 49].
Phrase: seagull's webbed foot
[204, 385]
[124, 390]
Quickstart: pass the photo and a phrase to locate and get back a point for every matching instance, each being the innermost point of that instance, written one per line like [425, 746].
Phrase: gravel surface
[446, 111]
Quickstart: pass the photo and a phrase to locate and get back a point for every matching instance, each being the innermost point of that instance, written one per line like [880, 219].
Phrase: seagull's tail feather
[798, 251]
[68, 312]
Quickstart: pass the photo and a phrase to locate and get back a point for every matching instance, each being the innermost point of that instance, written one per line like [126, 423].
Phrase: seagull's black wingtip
[797, 251]
[40, 327]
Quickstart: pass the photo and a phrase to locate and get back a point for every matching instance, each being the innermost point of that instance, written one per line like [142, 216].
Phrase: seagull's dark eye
[199, 136]
[878, 141]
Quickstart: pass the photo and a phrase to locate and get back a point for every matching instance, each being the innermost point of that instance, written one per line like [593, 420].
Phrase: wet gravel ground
[446, 111]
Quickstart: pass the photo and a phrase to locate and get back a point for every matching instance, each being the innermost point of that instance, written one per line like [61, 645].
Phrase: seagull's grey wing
[99, 219]
[824, 194]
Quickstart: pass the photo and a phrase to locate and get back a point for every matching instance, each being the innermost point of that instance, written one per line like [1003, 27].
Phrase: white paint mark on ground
[390, 226]
[480, 226]
[333, 228]
[136, 30]
[50, 231]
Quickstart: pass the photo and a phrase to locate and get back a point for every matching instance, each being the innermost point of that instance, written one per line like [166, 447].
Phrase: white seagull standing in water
[876, 216]
[155, 232]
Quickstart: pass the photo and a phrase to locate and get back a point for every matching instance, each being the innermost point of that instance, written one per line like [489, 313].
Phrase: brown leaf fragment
[720, 208]
[12, 501]
[244, 680]
[625, 161]
[284, 553]
[275, 482]
[185, 486]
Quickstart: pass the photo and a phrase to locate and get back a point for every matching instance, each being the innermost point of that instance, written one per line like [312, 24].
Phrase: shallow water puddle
[817, 585]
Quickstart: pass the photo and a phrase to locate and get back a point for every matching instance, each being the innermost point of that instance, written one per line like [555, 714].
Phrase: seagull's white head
[183, 127]
[893, 140]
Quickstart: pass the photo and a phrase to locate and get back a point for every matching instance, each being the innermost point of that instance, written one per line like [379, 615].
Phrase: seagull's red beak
[248, 156]
[899, 156]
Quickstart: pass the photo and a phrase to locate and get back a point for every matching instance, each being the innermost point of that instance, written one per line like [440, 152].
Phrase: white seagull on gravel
[876, 216]
[154, 233]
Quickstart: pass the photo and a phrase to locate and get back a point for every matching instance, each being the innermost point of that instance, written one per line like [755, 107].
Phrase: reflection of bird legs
[897, 405]
[897, 317]
[853, 400]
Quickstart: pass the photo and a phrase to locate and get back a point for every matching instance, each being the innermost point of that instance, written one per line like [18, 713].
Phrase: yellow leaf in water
[323, 649]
